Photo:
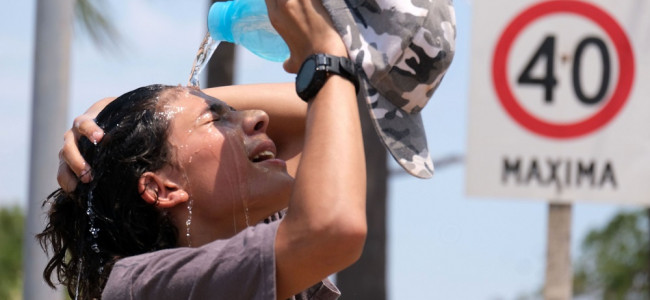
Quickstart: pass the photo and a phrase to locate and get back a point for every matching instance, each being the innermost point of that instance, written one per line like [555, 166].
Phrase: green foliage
[614, 260]
[11, 241]
[92, 18]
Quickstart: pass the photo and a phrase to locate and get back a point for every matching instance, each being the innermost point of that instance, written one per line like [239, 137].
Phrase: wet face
[225, 160]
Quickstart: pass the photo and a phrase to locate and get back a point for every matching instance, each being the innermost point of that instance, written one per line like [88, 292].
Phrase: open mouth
[262, 156]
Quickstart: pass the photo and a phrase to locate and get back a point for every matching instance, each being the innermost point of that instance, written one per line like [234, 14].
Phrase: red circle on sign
[565, 130]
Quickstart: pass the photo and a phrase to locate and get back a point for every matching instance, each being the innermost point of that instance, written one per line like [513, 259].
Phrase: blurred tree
[11, 240]
[91, 17]
[614, 259]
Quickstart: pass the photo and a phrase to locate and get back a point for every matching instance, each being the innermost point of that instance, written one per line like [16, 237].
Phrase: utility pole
[49, 113]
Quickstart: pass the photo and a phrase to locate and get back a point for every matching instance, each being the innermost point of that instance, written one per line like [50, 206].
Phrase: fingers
[85, 125]
[71, 163]
[307, 28]
[291, 65]
[66, 179]
[271, 5]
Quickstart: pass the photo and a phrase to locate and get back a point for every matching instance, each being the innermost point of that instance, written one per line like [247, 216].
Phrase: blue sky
[442, 244]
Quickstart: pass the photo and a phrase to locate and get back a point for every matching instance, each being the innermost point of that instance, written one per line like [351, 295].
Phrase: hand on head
[72, 166]
[307, 28]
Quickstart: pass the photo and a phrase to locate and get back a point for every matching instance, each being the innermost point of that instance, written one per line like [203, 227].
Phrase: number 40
[547, 50]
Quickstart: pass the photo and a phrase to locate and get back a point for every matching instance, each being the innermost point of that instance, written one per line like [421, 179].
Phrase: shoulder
[252, 239]
[246, 259]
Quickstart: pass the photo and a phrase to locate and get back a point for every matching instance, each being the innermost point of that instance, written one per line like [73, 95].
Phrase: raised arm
[325, 227]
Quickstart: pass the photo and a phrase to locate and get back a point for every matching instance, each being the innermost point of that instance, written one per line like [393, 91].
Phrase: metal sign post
[559, 274]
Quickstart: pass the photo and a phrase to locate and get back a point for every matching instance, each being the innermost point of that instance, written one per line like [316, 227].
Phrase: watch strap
[328, 64]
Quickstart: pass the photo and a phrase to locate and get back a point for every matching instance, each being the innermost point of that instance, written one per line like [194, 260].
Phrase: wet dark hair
[135, 141]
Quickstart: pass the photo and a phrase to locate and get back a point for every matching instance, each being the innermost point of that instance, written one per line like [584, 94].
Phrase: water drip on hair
[169, 111]
[208, 45]
[80, 266]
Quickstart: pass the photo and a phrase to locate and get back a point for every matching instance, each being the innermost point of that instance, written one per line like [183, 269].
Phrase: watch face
[305, 74]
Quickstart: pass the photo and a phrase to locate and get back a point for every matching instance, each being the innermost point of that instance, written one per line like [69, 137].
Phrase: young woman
[173, 193]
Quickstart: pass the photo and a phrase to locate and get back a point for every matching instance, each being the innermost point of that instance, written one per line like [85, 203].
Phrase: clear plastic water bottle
[246, 23]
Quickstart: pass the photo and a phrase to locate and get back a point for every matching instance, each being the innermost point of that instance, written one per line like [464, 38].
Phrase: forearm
[331, 177]
[279, 100]
[325, 227]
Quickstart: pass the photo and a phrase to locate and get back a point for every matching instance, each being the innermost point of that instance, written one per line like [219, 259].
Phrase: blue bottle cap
[219, 21]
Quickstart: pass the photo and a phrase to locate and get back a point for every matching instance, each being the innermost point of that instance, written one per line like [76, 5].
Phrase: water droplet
[94, 231]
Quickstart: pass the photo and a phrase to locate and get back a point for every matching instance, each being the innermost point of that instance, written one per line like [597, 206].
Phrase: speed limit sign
[559, 100]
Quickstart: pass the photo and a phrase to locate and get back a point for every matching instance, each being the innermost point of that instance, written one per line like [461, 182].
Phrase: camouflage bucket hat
[402, 49]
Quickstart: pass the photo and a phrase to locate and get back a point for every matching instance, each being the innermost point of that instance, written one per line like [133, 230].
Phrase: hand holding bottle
[307, 28]
[246, 23]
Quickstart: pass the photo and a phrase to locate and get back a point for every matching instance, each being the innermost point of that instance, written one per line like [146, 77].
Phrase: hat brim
[402, 133]
[402, 50]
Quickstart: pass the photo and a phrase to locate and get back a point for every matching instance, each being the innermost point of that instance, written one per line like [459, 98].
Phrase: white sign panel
[560, 100]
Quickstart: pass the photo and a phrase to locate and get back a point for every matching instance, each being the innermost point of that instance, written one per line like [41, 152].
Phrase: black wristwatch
[315, 70]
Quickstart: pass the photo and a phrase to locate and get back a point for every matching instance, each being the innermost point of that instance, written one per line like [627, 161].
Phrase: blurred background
[439, 243]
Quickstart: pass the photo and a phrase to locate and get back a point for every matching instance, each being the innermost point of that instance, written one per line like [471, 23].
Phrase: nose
[254, 121]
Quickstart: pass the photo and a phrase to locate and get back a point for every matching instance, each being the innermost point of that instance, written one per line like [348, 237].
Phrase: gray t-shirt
[242, 267]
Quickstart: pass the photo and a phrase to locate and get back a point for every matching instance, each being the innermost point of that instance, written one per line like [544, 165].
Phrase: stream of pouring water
[207, 48]
[202, 58]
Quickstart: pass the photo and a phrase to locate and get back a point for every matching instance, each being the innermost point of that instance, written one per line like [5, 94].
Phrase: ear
[161, 191]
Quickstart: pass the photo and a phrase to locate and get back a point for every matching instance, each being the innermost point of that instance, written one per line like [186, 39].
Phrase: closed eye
[219, 111]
